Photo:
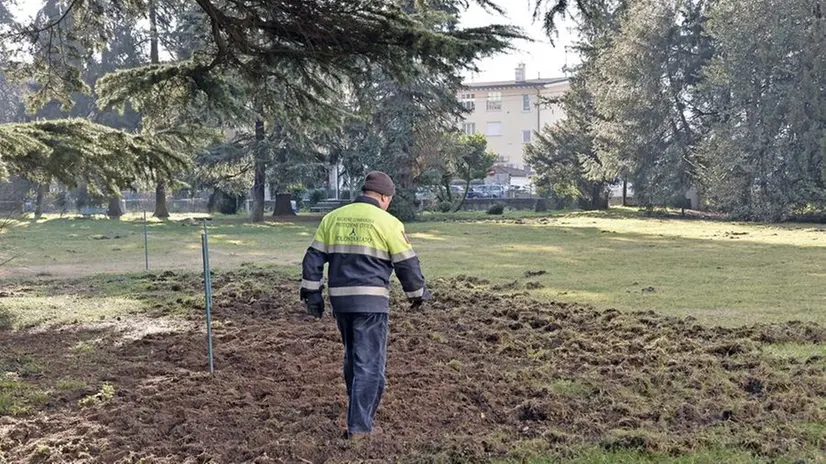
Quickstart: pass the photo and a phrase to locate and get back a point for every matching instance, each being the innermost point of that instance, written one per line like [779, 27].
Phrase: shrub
[317, 196]
[498, 208]
[229, 203]
[444, 206]
[63, 202]
[403, 205]
[541, 205]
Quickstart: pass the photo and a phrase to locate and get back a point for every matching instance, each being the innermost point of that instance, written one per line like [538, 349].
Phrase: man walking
[363, 244]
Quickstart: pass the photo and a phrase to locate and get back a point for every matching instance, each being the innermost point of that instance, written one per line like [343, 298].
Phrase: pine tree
[77, 152]
[565, 156]
[312, 45]
[767, 148]
[290, 59]
[120, 51]
[646, 90]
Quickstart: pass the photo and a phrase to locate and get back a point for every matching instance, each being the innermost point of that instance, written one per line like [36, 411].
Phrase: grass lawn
[85, 331]
[719, 272]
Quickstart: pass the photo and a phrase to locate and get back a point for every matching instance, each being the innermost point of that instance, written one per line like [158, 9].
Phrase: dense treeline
[724, 96]
[235, 96]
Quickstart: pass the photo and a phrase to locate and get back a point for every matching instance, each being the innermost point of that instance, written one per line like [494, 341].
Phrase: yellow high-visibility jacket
[363, 245]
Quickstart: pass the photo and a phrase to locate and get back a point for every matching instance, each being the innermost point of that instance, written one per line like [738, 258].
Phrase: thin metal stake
[207, 293]
[145, 241]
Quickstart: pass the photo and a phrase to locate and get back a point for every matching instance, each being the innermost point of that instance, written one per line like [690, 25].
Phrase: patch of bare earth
[468, 378]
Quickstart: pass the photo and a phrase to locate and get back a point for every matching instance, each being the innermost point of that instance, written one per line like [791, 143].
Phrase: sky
[540, 57]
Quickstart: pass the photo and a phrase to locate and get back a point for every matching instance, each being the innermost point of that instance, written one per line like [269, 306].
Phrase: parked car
[493, 191]
[474, 193]
[424, 194]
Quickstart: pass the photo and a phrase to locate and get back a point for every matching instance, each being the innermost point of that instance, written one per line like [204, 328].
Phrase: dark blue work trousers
[365, 356]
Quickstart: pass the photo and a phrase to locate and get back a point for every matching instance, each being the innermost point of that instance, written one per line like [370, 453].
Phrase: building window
[468, 101]
[469, 128]
[526, 136]
[493, 129]
[494, 101]
[526, 102]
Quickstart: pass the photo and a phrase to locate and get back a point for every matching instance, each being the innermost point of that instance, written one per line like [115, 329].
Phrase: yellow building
[508, 113]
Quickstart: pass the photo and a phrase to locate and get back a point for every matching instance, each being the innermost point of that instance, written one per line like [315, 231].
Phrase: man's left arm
[407, 267]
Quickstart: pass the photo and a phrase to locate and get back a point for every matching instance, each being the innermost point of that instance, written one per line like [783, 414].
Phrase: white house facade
[509, 113]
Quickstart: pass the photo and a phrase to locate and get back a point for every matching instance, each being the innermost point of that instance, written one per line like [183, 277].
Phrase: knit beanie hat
[379, 182]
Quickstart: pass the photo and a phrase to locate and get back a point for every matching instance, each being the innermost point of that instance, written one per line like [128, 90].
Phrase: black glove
[416, 303]
[314, 301]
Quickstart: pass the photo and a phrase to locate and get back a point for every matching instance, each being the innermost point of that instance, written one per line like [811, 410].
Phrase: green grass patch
[32, 311]
[437, 337]
[6, 319]
[722, 273]
[68, 385]
[104, 394]
[531, 451]
[706, 456]
[20, 364]
[49, 303]
[813, 432]
[525, 450]
[42, 452]
[801, 352]
[570, 388]
[87, 354]
[18, 398]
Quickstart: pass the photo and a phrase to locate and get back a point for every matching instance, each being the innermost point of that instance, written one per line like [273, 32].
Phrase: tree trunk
[283, 205]
[212, 202]
[82, 200]
[153, 32]
[599, 199]
[464, 196]
[404, 202]
[38, 206]
[257, 214]
[624, 192]
[161, 210]
[114, 211]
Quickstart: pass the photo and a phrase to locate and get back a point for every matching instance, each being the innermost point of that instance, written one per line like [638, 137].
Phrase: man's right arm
[312, 273]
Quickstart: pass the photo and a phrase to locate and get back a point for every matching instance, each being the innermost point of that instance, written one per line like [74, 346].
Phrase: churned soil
[475, 376]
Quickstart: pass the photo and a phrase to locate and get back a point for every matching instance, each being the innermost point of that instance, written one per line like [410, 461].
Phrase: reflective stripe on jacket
[363, 245]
